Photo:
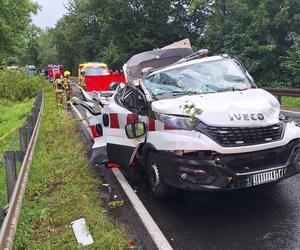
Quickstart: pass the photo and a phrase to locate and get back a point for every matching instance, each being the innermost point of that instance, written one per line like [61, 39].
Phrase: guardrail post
[2, 214]
[279, 98]
[11, 172]
[29, 127]
[23, 139]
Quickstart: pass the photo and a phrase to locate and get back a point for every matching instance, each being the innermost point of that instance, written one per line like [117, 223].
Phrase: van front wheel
[158, 186]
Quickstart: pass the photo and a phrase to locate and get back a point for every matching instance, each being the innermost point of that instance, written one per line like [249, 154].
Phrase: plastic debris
[115, 196]
[82, 233]
[105, 184]
[113, 165]
[116, 204]
[130, 242]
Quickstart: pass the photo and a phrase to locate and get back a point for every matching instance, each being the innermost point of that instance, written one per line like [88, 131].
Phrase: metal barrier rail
[16, 185]
[283, 92]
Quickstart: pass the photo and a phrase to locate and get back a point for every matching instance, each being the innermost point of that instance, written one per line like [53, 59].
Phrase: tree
[30, 53]
[256, 31]
[112, 31]
[15, 18]
[46, 47]
[291, 62]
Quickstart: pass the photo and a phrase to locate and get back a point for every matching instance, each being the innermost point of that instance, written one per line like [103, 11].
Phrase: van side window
[132, 98]
[128, 97]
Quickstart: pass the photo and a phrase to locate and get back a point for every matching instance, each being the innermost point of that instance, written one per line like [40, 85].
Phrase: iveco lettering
[247, 117]
[194, 122]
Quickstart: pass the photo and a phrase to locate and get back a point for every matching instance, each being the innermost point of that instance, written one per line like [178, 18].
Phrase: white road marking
[156, 234]
[81, 118]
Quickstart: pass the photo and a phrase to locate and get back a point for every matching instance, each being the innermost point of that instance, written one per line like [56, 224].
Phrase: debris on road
[82, 233]
[130, 242]
[116, 204]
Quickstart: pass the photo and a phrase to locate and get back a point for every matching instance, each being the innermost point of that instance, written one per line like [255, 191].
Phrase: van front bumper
[209, 170]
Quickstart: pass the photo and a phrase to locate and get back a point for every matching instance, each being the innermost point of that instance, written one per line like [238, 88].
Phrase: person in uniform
[67, 85]
[59, 88]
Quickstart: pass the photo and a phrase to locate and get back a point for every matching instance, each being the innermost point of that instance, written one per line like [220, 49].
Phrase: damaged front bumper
[208, 170]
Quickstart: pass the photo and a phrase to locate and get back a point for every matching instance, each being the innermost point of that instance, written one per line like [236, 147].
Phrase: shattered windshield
[95, 71]
[199, 78]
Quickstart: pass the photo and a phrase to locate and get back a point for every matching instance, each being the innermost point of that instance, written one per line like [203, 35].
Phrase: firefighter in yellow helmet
[67, 74]
[67, 85]
[58, 88]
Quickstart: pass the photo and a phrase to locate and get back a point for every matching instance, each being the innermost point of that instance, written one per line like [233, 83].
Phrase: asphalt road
[230, 220]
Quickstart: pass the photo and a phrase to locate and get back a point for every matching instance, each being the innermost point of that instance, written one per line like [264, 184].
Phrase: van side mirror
[135, 130]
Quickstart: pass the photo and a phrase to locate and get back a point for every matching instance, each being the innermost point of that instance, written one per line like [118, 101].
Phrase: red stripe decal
[131, 118]
[166, 127]
[151, 124]
[114, 122]
[94, 131]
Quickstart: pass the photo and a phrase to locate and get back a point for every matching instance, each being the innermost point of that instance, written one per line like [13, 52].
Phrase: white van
[194, 122]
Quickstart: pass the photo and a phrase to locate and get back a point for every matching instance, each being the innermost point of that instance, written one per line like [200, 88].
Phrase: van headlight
[177, 122]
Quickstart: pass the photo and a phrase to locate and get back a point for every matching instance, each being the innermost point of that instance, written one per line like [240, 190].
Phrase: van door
[126, 109]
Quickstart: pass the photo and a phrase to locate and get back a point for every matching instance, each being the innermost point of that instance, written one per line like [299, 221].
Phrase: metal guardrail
[283, 92]
[16, 184]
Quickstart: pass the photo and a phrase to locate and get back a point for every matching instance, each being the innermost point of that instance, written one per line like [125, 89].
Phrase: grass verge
[13, 114]
[61, 189]
[290, 102]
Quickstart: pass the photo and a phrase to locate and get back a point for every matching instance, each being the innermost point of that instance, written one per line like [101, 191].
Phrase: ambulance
[193, 122]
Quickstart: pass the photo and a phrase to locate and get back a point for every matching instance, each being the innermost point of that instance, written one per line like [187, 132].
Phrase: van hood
[247, 108]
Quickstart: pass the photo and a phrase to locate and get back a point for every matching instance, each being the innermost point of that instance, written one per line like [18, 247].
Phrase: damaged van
[194, 122]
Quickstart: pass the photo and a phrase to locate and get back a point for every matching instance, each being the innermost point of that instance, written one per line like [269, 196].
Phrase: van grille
[241, 136]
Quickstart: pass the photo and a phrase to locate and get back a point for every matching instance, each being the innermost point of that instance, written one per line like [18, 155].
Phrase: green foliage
[262, 33]
[17, 85]
[291, 62]
[112, 31]
[30, 54]
[191, 110]
[14, 24]
[47, 52]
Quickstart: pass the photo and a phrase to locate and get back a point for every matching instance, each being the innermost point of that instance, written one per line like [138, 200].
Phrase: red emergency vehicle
[96, 76]
[52, 69]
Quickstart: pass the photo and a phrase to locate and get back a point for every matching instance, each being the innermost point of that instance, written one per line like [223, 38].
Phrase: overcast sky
[52, 10]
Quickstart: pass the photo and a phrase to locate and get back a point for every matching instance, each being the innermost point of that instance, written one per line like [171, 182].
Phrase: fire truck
[52, 69]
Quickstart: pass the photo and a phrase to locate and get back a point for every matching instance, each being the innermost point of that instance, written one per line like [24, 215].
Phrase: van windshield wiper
[178, 93]
[170, 93]
[231, 89]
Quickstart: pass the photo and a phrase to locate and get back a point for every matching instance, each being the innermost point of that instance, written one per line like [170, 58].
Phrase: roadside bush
[15, 85]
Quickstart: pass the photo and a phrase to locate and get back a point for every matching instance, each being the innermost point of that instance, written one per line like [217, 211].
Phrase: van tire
[158, 186]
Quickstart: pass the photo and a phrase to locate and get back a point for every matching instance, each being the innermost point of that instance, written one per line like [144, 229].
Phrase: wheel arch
[145, 150]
